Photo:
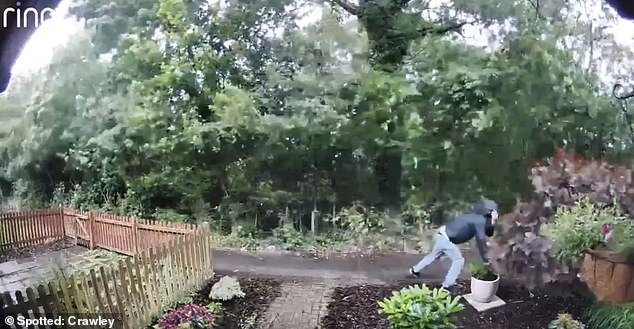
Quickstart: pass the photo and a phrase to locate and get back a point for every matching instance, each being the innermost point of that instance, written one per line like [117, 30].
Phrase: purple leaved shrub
[197, 316]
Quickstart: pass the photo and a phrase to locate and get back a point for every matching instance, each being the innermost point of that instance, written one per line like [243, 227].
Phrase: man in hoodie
[478, 223]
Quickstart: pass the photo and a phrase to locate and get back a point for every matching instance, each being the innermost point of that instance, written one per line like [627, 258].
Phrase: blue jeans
[442, 245]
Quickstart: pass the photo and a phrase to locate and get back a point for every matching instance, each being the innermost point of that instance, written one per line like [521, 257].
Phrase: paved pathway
[302, 305]
[387, 268]
[304, 298]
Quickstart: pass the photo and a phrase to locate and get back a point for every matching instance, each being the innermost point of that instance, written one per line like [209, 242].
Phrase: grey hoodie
[475, 223]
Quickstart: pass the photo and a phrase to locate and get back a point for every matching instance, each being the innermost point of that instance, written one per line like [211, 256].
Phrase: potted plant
[598, 240]
[484, 282]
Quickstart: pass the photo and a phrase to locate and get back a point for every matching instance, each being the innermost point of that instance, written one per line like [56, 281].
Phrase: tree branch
[439, 30]
[350, 8]
[535, 4]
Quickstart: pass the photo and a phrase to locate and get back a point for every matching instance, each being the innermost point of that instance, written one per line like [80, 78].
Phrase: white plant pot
[484, 291]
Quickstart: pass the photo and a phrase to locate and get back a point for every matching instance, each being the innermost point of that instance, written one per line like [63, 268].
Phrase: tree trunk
[389, 41]
[388, 174]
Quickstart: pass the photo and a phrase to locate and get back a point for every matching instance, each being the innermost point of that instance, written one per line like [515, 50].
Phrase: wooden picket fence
[135, 289]
[27, 228]
[125, 235]
[169, 261]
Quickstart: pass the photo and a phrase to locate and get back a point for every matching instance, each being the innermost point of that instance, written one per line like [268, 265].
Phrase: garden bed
[30, 251]
[357, 308]
[241, 313]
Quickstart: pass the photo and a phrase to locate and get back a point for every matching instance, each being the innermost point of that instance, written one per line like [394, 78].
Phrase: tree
[181, 107]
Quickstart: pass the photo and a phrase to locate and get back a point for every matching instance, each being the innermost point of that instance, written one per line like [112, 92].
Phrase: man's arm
[481, 241]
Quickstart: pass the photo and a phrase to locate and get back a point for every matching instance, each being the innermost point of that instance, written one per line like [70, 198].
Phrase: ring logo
[23, 18]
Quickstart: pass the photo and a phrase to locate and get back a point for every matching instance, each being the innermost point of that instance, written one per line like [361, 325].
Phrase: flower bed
[233, 306]
[239, 312]
[357, 308]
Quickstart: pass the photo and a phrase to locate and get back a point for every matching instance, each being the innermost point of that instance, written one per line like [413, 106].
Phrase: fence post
[135, 237]
[205, 226]
[63, 220]
[313, 221]
[91, 222]
[206, 235]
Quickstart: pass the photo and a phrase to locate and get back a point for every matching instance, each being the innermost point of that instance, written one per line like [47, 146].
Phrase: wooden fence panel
[113, 234]
[30, 227]
[76, 223]
[137, 289]
[125, 235]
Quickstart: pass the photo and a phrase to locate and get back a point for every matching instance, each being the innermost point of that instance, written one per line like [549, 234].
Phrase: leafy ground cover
[357, 308]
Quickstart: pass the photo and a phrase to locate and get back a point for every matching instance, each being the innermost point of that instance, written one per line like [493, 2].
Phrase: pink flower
[607, 232]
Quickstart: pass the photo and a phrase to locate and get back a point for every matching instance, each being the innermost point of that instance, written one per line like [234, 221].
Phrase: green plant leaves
[577, 228]
[419, 307]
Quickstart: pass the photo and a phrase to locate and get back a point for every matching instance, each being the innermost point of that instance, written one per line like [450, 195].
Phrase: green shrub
[579, 228]
[170, 215]
[607, 316]
[419, 307]
[216, 309]
[359, 220]
[289, 237]
[240, 237]
[565, 321]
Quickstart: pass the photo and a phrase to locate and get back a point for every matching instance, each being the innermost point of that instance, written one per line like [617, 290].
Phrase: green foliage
[522, 252]
[289, 237]
[565, 321]
[360, 220]
[611, 316]
[481, 272]
[216, 309]
[170, 215]
[197, 112]
[578, 228]
[236, 240]
[421, 308]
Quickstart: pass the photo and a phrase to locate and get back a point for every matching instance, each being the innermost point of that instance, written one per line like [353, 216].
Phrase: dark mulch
[357, 308]
[259, 293]
[27, 252]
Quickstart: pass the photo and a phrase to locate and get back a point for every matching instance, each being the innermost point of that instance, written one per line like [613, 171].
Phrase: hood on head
[485, 207]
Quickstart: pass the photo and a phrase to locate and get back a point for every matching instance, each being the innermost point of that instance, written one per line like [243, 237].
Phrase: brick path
[301, 306]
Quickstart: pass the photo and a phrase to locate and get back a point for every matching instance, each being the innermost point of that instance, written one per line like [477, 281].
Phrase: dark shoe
[413, 273]
[453, 290]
